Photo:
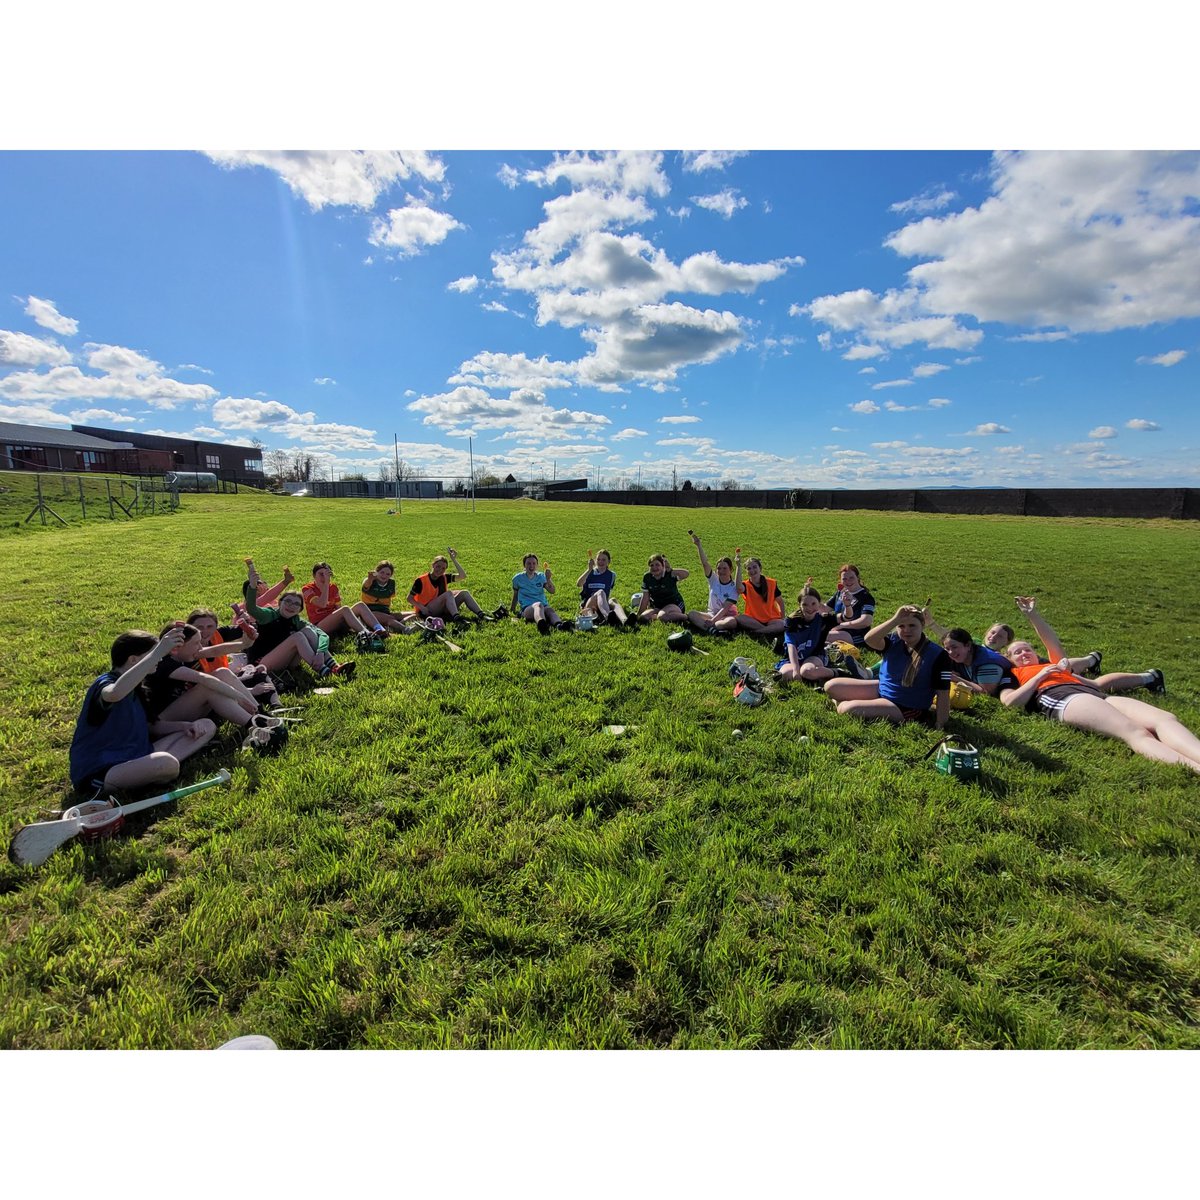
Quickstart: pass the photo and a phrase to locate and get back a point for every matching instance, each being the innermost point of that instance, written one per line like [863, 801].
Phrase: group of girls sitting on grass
[161, 699]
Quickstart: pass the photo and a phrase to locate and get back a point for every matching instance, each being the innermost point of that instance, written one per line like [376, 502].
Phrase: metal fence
[64, 499]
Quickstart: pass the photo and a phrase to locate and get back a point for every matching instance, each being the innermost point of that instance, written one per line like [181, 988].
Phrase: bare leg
[1123, 681]
[464, 597]
[1165, 726]
[813, 670]
[148, 771]
[871, 710]
[852, 689]
[1115, 718]
[182, 745]
[670, 612]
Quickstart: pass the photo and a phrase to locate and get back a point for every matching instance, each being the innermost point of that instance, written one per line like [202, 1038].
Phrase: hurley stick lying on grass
[33, 844]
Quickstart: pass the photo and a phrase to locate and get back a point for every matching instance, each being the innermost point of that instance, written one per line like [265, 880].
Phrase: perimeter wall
[1176, 503]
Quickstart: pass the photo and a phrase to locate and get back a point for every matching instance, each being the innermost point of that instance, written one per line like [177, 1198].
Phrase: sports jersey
[932, 675]
[762, 603]
[720, 594]
[808, 636]
[161, 689]
[530, 590]
[273, 629]
[987, 667]
[107, 734]
[662, 591]
[314, 610]
[597, 581]
[377, 596]
[861, 602]
[227, 633]
[1052, 678]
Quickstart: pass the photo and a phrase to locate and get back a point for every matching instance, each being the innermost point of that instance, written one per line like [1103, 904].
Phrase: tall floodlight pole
[471, 457]
[396, 452]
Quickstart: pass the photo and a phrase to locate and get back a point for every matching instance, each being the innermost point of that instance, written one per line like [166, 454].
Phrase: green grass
[452, 851]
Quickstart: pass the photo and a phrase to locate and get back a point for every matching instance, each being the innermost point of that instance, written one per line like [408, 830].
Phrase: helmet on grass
[681, 641]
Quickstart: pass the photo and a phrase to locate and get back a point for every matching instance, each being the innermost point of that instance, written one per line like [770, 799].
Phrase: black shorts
[1052, 701]
[922, 716]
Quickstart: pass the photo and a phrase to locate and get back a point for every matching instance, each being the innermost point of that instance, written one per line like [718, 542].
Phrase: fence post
[82, 498]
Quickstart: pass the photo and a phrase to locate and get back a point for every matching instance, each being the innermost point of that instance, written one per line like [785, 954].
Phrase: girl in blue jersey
[804, 635]
[914, 672]
[529, 595]
[980, 670]
[595, 591]
[854, 605]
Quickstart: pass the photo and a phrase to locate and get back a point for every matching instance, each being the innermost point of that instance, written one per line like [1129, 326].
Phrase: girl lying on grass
[112, 746]
[530, 587]
[378, 591]
[764, 607]
[854, 605]
[913, 674]
[724, 586]
[432, 597]
[595, 591]
[1055, 691]
[284, 639]
[977, 669]
[661, 598]
[804, 634]
[218, 642]
[1000, 635]
[324, 608]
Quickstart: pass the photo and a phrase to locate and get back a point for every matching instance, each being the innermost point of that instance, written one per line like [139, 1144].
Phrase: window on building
[212, 462]
[90, 460]
[252, 464]
[24, 457]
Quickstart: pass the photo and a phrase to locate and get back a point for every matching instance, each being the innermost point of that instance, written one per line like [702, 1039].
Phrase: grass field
[453, 852]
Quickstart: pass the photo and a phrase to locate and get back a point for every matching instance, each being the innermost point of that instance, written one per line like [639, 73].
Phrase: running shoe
[362, 642]
[1094, 669]
[1159, 686]
[345, 670]
[543, 626]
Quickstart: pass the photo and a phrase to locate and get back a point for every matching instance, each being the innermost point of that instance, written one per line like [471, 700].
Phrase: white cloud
[710, 160]
[678, 420]
[894, 319]
[868, 371]
[279, 420]
[32, 414]
[1165, 360]
[324, 380]
[859, 352]
[927, 370]
[630, 171]
[864, 406]
[127, 376]
[891, 383]
[939, 402]
[193, 367]
[1085, 240]
[496, 307]
[966, 362]
[47, 316]
[493, 370]
[355, 178]
[892, 406]
[412, 227]
[25, 350]
[1053, 335]
[701, 443]
[1143, 426]
[468, 409]
[987, 430]
[930, 200]
[625, 434]
[725, 202]
[1103, 431]
[681, 213]
[889, 445]
[466, 283]
[90, 416]
[509, 176]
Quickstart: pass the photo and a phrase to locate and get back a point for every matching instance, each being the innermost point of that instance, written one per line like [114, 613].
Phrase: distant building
[44, 448]
[241, 464]
[375, 489]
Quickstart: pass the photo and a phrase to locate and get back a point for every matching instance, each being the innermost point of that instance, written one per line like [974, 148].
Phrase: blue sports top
[597, 581]
[108, 734]
[933, 675]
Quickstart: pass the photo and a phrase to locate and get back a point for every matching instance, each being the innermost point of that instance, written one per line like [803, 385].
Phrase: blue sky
[801, 318]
